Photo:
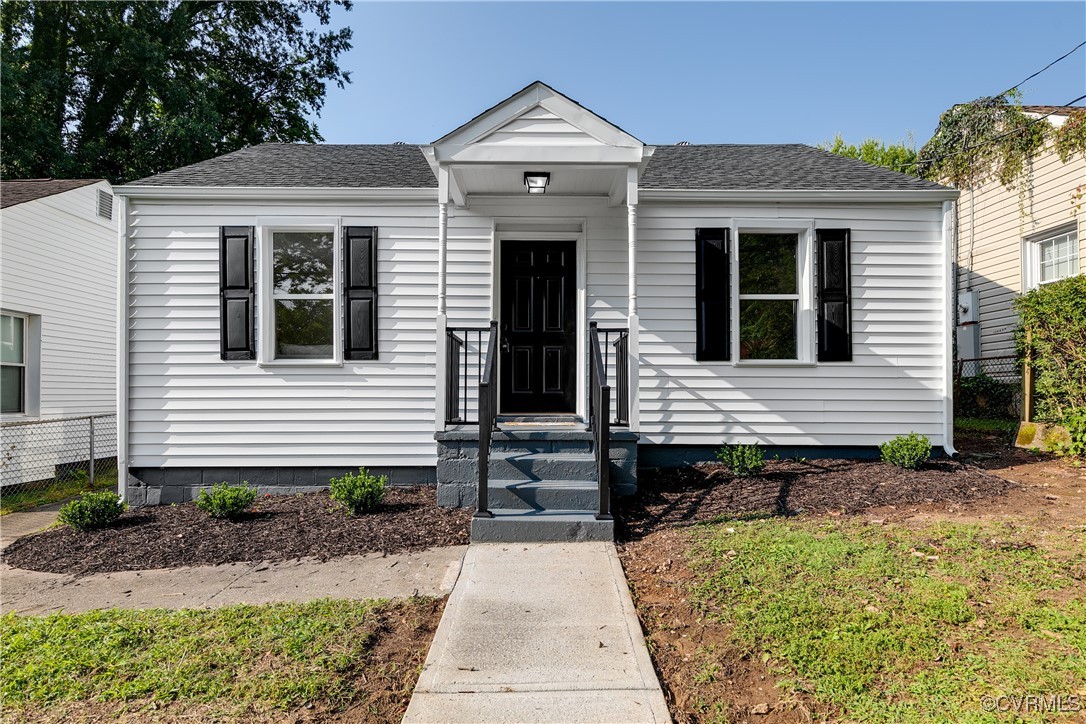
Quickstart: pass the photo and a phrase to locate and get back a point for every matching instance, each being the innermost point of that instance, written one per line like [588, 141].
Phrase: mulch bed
[279, 528]
[675, 497]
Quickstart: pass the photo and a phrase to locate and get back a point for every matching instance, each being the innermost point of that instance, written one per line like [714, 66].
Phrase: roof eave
[870, 195]
[246, 193]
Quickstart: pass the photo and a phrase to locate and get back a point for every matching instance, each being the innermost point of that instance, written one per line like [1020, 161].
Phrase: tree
[985, 138]
[895, 156]
[124, 89]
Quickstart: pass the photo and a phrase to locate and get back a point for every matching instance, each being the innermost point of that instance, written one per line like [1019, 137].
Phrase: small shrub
[226, 501]
[742, 460]
[906, 451]
[358, 493]
[1070, 439]
[92, 511]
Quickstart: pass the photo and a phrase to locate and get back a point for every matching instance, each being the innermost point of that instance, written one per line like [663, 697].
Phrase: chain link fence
[988, 388]
[43, 461]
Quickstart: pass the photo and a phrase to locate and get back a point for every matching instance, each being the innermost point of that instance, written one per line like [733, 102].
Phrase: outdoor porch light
[536, 181]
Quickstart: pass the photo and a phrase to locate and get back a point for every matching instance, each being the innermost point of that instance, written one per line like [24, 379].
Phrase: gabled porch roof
[537, 129]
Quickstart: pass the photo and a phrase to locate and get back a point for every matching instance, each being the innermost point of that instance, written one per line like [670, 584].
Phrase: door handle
[505, 344]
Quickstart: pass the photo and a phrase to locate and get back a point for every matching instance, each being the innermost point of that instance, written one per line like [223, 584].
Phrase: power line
[1042, 70]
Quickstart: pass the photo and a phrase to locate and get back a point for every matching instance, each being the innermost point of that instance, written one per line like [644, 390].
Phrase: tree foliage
[124, 89]
[896, 156]
[987, 138]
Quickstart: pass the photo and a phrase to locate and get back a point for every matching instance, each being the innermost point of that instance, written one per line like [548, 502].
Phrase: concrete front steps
[542, 480]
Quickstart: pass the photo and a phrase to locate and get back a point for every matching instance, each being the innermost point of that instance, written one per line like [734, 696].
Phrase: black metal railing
[615, 349]
[488, 417]
[464, 350]
[599, 419]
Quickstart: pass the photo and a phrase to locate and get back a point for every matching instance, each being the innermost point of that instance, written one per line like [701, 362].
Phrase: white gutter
[122, 346]
[275, 193]
[949, 305]
[793, 195]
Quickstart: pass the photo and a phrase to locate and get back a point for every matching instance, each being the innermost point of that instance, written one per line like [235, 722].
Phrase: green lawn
[980, 424]
[898, 624]
[55, 491]
[240, 658]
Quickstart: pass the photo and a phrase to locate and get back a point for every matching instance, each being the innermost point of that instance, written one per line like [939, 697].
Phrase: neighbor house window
[769, 295]
[1054, 258]
[12, 363]
[303, 295]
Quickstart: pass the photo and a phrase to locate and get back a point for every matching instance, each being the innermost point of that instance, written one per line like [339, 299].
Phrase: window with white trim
[769, 295]
[1055, 257]
[302, 279]
[13, 363]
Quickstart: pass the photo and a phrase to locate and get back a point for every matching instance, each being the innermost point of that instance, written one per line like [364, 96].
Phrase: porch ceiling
[508, 180]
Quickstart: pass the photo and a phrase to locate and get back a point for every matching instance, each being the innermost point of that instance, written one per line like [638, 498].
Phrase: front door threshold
[540, 421]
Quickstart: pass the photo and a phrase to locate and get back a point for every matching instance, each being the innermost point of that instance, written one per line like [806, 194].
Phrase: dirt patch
[671, 497]
[704, 676]
[279, 528]
[383, 684]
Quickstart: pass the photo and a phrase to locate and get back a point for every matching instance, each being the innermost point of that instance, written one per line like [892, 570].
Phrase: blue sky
[720, 72]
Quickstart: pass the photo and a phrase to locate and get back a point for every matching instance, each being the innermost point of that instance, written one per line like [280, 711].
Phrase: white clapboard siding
[189, 408]
[894, 384]
[993, 222]
[60, 264]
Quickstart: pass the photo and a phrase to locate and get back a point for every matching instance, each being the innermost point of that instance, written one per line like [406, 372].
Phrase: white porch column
[440, 357]
[632, 315]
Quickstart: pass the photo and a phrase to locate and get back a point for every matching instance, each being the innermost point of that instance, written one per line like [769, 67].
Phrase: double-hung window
[769, 295]
[12, 363]
[1052, 257]
[303, 280]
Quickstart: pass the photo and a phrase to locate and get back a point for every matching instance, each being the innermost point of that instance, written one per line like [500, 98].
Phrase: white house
[58, 321]
[296, 310]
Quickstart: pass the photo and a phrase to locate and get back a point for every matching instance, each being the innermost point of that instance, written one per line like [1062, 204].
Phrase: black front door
[538, 326]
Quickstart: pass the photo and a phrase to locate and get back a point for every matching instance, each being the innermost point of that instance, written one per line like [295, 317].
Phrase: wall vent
[105, 204]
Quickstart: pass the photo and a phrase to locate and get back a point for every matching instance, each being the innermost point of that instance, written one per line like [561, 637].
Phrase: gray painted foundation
[162, 486]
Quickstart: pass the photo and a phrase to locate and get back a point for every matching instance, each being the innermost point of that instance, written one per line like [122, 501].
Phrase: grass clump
[359, 492]
[743, 460]
[27, 497]
[226, 501]
[277, 656]
[895, 623]
[92, 511]
[906, 451]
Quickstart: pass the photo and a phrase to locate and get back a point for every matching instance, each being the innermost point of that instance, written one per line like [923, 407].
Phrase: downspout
[441, 353]
[122, 348]
[950, 303]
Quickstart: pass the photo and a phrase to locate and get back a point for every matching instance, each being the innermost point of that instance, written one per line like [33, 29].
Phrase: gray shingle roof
[18, 192]
[319, 165]
[701, 167]
[769, 167]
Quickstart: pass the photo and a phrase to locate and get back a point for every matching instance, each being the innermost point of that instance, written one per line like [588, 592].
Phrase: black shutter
[713, 295]
[834, 296]
[360, 292]
[236, 299]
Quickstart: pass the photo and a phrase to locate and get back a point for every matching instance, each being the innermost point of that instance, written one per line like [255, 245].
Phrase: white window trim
[806, 314]
[31, 365]
[265, 353]
[1031, 255]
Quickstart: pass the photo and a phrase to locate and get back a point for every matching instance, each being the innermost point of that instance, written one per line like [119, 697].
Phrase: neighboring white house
[58, 320]
[1012, 240]
[289, 307]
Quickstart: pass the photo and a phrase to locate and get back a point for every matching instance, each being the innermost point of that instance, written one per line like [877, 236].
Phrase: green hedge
[1055, 315]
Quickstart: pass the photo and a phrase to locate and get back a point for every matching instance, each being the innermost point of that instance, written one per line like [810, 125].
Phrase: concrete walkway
[541, 632]
[16, 525]
[427, 573]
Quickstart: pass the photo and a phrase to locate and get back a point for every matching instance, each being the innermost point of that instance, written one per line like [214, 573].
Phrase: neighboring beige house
[1010, 242]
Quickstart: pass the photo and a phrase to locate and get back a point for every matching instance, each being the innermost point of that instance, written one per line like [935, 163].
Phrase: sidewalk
[16, 525]
[426, 573]
[539, 633]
